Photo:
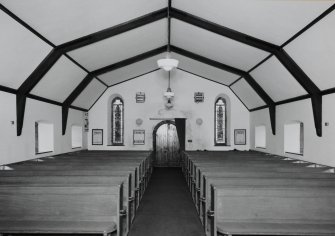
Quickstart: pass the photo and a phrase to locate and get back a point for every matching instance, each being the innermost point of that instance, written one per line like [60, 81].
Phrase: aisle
[167, 208]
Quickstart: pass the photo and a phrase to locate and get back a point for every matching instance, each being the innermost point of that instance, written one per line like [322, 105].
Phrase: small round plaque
[139, 121]
[199, 121]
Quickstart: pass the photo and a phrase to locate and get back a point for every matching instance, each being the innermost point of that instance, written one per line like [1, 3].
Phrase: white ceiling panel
[314, 52]
[20, 52]
[60, 80]
[131, 71]
[273, 21]
[122, 46]
[90, 94]
[205, 70]
[247, 94]
[277, 82]
[63, 20]
[214, 46]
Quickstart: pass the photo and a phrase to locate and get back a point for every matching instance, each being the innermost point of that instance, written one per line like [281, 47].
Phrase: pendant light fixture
[168, 63]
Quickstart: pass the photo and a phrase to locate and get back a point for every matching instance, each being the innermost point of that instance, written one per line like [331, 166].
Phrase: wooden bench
[128, 206]
[75, 209]
[40, 166]
[267, 210]
[273, 181]
[196, 177]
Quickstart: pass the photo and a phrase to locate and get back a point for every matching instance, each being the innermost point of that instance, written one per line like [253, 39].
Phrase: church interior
[167, 117]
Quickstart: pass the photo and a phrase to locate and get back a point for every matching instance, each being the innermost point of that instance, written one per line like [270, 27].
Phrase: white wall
[14, 148]
[319, 150]
[183, 85]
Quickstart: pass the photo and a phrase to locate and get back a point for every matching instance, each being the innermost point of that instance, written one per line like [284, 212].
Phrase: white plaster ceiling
[61, 21]
[90, 94]
[131, 71]
[273, 21]
[64, 72]
[204, 70]
[20, 52]
[276, 81]
[314, 52]
[214, 46]
[247, 95]
[122, 46]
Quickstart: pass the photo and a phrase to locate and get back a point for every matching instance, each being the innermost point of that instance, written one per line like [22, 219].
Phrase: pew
[131, 170]
[273, 181]
[128, 199]
[212, 175]
[196, 177]
[142, 175]
[267, 210]
[75, 209]
[134, 198]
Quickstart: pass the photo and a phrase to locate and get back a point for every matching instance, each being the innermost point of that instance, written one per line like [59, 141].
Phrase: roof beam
[90, 76]
[113, 31]
[223, 31]
[258, 89]
[34, 78]
[307, 84]
[278, 51]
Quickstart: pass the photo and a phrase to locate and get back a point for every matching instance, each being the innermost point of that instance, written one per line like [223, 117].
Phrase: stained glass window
[117, 121]
[220, 122]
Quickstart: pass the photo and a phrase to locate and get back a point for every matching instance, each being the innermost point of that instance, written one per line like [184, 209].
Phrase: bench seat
[57, 227]
[276, 228]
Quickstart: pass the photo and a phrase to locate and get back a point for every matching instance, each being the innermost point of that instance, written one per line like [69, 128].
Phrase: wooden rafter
[278, 51]
[251, 81]
[89, 77]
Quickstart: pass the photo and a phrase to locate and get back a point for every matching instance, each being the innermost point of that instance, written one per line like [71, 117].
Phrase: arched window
[117, 121]
[220, 122]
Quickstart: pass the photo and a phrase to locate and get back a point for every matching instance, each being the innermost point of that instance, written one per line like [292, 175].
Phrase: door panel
[167, 146]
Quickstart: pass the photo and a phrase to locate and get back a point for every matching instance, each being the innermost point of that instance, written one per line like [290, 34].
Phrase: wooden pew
[273, 181]
[267, 210]
[76, 209]
[141, 181]
[86, 174]
[195, 178]
[128, 204]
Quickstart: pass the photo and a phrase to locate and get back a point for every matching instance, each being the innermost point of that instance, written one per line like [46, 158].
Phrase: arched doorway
[166, 145]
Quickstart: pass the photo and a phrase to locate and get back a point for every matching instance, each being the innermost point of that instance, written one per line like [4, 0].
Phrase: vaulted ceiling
[69, 52]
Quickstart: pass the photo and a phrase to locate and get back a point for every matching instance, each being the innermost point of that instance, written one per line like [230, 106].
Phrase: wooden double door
[167, 146]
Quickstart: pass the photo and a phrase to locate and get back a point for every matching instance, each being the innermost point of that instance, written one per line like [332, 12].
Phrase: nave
[167, 207]
[120, 193]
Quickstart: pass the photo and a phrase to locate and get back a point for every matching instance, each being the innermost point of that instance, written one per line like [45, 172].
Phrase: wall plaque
[240, 137]
[97, 137]
[140, 97]
[199, 97]
[139, 137]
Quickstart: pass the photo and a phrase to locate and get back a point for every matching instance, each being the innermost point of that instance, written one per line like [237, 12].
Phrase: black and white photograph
[97, 137]
[167, 117]
[240, 137]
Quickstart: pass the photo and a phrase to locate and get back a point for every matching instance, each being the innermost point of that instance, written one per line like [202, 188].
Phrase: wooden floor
[167, 208]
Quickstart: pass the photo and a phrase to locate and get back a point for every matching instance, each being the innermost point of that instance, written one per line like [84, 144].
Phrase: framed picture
[199, 97]
[97, 136]
[139, 136]
[240, 137]
[140, 97]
